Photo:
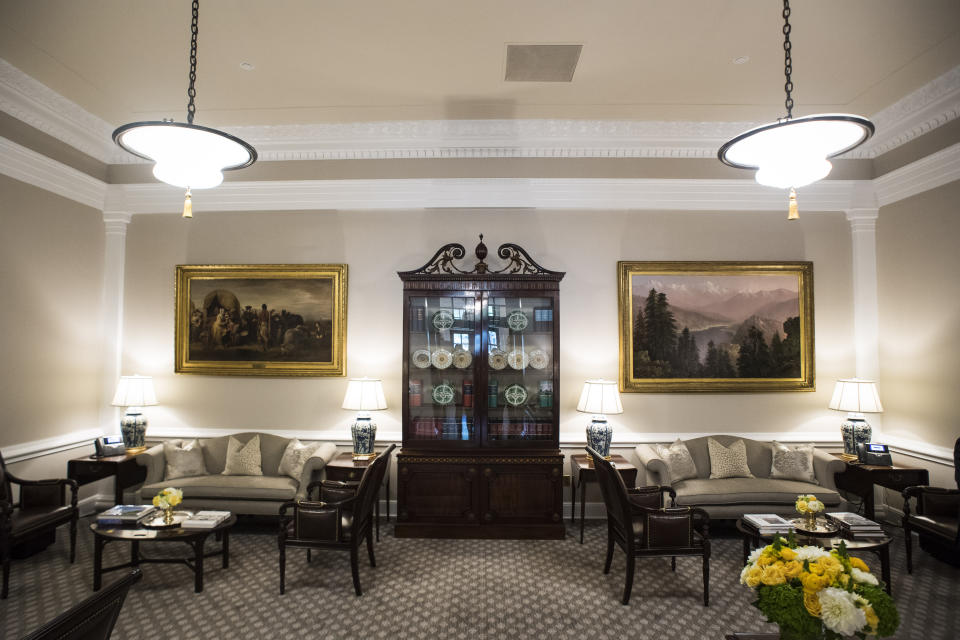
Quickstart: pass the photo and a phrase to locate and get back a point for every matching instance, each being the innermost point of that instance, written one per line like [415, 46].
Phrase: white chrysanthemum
[755, 555]
[743, 574]
[863, 577]
[810, 553]
[840, 613]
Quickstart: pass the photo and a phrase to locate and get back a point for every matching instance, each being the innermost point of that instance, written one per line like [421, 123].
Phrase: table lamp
[134, 393]
[600, 397]
[857, 397]
[364, 395]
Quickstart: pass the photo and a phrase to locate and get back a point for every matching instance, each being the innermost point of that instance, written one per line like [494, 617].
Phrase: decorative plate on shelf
[515, 395]
[462, 358]
[441, 358]
[420, 358]
[538, 358]
[517, 359]
[497, 359]
[443, 319]
[517, 320]
[443, 394]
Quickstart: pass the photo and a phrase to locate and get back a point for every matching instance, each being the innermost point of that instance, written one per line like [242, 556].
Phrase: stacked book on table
[855, 526]
[768, 523]
[205, 519]
[122, 515]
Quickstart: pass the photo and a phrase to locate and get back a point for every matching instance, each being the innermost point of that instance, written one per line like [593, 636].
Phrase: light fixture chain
[191, 91]
[787, 59]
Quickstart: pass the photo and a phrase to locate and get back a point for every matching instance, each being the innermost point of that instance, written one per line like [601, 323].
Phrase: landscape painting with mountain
[716, 326]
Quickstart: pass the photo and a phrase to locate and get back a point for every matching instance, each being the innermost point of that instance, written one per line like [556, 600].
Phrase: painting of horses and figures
[269, 320]
[716, 326]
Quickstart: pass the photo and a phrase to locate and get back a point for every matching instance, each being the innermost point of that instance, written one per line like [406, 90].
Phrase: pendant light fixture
[793, 152]
[187, 155]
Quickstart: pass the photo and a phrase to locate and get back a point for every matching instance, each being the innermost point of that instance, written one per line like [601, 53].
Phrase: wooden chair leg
[6, 575]
[283, 567]
[673, 563]
[308, 555]
[706, 580]
[373, 561]
[908, 541]
[606, 565]
[355, 568]
[628, 586]
[73, 538]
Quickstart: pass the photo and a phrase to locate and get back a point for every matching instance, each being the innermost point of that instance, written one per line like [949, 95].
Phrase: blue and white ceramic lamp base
[364, 433]
[855, 431]
[599, 436]
[133, 428]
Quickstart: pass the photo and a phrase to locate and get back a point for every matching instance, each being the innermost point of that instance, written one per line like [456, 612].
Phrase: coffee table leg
[573, 500]
[884, 553]
[135, 553]
[198, 565]
[226, 549]
[97, 561]
[583, 506]
[746, 549]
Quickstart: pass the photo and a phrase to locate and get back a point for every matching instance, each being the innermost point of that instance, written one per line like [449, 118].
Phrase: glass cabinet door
[518, 340]
[443, 345]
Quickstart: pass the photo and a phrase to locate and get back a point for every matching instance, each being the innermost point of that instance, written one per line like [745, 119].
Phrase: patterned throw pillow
[728, 462]
[793, 463]
[295, 457]
[679, 462]
[183, 460]
[243, 459]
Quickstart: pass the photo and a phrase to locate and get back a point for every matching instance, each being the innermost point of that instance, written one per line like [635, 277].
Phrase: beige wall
[375, 245]
[51, 250]
[918, 269]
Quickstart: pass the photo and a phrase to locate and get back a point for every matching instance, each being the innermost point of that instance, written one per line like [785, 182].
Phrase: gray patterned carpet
[438, 589]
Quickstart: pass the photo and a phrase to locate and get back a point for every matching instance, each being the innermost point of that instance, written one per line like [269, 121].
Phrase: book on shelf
[205, 519]
[125, 514]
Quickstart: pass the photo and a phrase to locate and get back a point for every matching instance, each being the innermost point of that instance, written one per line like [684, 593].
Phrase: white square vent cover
[542, 62]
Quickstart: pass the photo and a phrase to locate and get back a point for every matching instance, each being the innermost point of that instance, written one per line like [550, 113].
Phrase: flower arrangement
[167, 500]
[812, 593]
[808, 504]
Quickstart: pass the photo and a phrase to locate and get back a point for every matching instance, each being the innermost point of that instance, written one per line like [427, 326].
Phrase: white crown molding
[925, 174]
[21, 96]
[37, 169]
[47, 446]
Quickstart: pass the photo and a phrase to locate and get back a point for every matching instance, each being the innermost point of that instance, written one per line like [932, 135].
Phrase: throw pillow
[793, 462]
[183, 460]
[295, 457]
[728, 462]
[243, 459]
[679, 462]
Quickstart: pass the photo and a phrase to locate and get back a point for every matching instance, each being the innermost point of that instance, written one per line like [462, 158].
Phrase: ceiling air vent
[542, 62]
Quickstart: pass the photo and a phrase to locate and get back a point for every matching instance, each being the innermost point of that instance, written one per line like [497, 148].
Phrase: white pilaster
[866, 309]
[115, 219]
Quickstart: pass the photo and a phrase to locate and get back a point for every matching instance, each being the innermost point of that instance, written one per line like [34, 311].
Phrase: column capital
[862, 219]
[115, 222]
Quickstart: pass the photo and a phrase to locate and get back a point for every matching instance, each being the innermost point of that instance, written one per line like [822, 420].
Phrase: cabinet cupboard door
[438, 493]
[522, 493]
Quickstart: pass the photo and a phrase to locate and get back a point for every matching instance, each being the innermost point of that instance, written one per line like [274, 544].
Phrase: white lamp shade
[856, 396]
[134, 391]
[600, 397]
[364, 394]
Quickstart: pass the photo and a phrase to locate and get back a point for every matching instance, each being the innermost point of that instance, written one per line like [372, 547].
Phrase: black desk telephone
[109, 446]
[870, 453]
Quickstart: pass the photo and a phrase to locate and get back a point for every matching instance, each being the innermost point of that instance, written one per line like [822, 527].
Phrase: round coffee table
[752, 539]
[195, 538]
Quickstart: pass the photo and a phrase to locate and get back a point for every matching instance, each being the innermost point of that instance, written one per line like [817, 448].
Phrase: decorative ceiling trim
[26, 165]
[925, 174]
[25, 98]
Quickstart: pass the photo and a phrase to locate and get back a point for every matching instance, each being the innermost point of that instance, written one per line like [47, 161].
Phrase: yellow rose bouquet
[167, 500]
[815, 594]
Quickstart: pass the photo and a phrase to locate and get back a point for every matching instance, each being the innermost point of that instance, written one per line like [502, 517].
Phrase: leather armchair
[936, 518]
[42, 508]
[642, 526]
[341, 519]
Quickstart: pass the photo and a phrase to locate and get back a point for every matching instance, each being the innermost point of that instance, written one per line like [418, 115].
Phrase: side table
[582, 472]
[123, 468]
[345, 469]
[859, 479]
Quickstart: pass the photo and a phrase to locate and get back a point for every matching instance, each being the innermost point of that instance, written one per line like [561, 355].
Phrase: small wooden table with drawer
[859, 479]
[345, 469]
[582, 472]
[124, 469]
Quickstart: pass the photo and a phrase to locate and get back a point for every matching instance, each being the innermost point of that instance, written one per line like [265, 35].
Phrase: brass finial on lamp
[364, 395]
[600, 397]
[857, 397]
[134, 392]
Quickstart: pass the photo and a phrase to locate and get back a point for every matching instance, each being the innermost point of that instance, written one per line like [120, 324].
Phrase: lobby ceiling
[381, 60]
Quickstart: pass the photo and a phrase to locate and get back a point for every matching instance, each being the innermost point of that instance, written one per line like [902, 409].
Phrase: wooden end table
[859, 479]
[345, 469]
[582, 472]
[195, 538]
[124, 468]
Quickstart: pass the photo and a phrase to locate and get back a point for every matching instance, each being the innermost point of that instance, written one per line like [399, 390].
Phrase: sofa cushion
[243, 459]
[229, 487]
[705, 491]
[183, 459]
[295, 457]
[728, 461]
[759, 454]
[680, 464]
[793, 462]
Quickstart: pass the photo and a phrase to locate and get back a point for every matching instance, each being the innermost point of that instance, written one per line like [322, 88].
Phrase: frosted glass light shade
[856, 396]
[600, 397]
[793, 153]
[364, 394]
[134, 391]
[186, 155]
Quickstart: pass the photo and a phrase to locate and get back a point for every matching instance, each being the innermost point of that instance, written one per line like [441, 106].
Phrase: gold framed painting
[261, 320]
[716, 326]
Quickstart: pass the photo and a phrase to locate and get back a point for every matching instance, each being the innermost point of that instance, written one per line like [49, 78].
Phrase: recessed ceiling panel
[542, 62]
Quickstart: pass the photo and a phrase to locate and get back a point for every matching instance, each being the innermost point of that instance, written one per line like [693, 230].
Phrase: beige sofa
[729, 498]
[253, 495]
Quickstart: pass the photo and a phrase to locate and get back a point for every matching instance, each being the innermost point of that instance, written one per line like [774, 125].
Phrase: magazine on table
[768, 522]
[205, 519]
[125, 514]
[853, 521]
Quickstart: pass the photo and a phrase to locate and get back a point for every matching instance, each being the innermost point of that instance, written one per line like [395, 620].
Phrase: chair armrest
[825, 467]
[312, 467]
[932, 500]
[656, 468]
[6, 508]
[46, 493]
[155, 462]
